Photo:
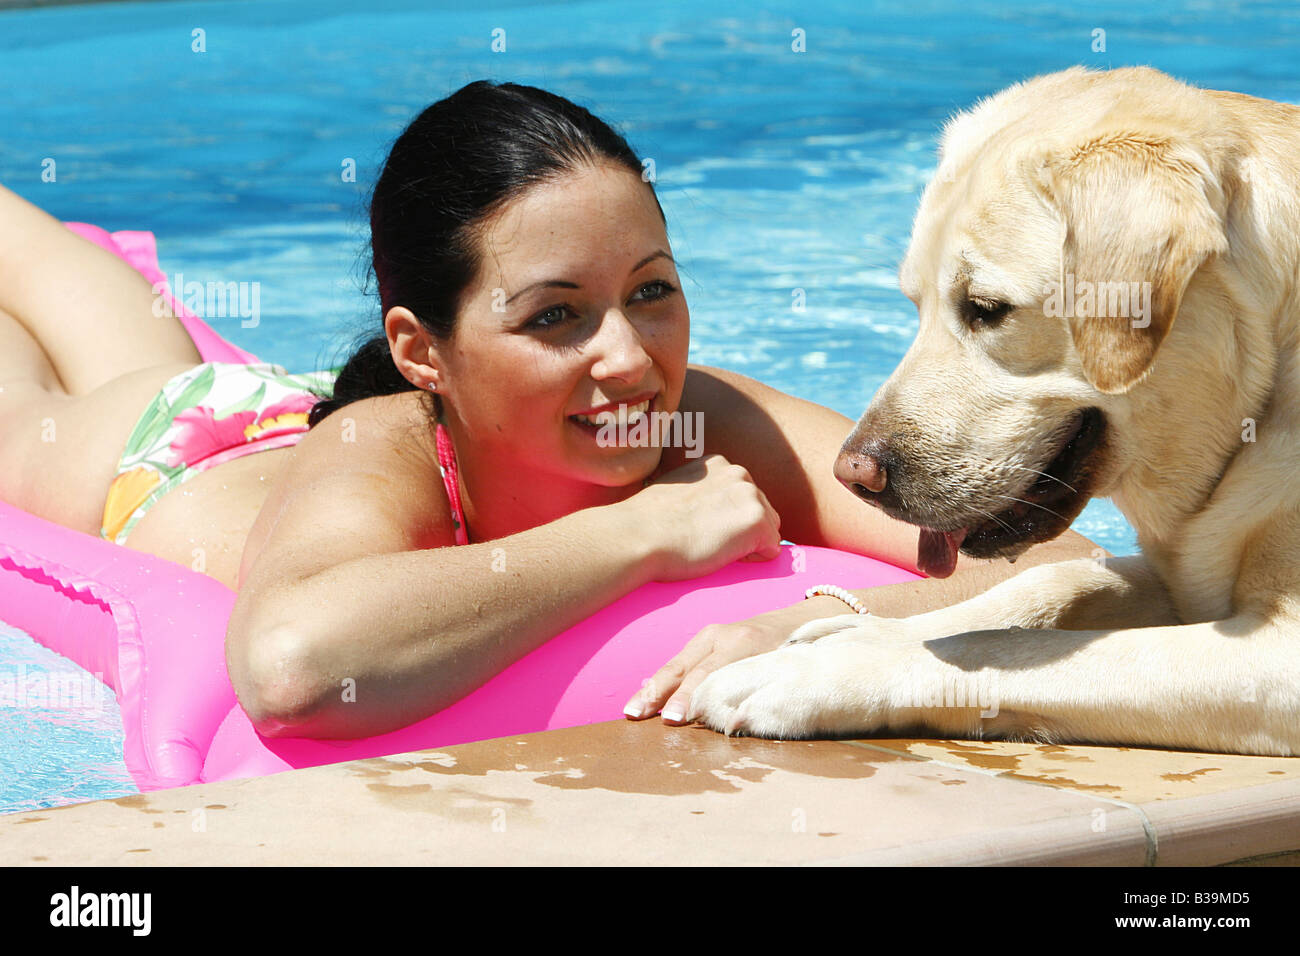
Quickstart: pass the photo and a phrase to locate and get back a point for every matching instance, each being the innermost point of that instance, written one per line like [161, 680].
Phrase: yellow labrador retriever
[1107, 270]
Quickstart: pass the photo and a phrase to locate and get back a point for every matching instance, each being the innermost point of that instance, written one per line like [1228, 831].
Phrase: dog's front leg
[1229, 686]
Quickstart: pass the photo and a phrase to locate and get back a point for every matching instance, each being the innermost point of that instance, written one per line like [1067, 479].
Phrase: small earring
[433, 386]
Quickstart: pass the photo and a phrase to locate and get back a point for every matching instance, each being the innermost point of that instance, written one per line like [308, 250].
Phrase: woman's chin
[613, 466]
[630, 468]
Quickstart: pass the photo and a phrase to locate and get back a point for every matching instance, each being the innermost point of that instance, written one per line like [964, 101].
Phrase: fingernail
[633, 709]
[672, 715]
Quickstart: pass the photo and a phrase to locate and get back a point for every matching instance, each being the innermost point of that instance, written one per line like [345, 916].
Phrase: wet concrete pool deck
[644, 793]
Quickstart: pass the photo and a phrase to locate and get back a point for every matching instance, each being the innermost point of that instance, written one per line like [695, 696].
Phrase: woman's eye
[552, 316]
[650, 292]
[986, 312]
[655, 290]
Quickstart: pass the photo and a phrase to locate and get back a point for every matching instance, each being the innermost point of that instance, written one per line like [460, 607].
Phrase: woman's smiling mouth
[614, 415]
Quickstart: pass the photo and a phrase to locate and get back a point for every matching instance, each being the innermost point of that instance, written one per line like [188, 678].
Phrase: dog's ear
[1141, 209]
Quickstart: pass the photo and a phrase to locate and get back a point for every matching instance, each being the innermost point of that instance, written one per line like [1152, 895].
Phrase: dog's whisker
[1032, 504]
[1046, 475]
[997, 519]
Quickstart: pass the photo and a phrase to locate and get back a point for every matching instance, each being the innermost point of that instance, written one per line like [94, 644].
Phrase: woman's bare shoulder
[787, 444]
[364, 481]
[720, 391]
[740, 414]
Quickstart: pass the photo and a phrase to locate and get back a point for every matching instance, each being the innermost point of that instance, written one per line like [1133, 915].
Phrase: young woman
[528, 297]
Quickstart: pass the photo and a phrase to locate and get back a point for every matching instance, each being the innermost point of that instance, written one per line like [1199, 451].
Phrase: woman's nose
[619, 350]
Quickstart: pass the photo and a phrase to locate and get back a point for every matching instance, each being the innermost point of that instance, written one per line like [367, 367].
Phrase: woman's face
[577, 309]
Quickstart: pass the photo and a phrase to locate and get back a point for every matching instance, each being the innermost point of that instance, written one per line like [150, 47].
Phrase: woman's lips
[626, 412]
[621, 415]
[633, 399]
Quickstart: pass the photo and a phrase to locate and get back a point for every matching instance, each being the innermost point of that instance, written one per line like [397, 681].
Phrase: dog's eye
[985, 312]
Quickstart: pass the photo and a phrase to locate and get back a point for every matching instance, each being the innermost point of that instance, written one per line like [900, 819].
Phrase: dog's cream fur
[1125, 175]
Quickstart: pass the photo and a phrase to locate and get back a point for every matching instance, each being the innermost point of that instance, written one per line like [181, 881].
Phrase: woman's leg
[22, 360]
[93, 316]
[59, 452]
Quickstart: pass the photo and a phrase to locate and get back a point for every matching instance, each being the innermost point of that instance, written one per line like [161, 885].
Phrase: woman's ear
[415, 351]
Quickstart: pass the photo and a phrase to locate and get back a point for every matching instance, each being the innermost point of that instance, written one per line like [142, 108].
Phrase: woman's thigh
[59, 453]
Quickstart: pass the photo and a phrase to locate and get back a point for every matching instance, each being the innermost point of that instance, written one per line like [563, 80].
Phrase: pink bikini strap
[451, 481]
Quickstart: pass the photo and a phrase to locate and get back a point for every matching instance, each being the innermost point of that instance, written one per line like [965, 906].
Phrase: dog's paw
[797, 691]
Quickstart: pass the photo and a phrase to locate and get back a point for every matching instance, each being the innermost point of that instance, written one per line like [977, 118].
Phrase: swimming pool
[777, 170]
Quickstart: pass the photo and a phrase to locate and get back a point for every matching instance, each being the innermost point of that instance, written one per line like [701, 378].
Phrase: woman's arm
[378, 641]
[353, 619]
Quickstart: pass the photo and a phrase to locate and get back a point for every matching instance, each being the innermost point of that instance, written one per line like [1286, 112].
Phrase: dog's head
[1049, 260]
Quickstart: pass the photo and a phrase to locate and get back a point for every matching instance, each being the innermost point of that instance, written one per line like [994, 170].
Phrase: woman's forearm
[972, 577]
[378, 642]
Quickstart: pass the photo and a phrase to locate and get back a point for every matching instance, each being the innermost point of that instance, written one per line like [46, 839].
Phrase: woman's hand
[671, 687]
[707, 514]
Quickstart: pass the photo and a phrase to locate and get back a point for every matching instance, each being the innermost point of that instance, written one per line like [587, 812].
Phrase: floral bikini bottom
[209, 414]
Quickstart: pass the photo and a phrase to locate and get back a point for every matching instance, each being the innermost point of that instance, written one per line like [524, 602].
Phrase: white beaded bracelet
[831, 590]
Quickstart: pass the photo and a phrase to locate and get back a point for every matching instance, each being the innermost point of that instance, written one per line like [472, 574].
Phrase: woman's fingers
[769, 545]
[716, 646]
[679, 705]
[767, 551]
[655, 692]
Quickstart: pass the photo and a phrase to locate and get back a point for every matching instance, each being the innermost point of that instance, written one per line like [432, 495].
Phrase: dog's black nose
[862, 473]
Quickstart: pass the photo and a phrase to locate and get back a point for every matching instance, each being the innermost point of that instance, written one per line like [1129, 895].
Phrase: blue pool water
[777, 170]
[60, 730]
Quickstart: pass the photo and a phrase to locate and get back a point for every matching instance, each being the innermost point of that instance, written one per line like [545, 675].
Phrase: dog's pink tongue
[936, 552]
